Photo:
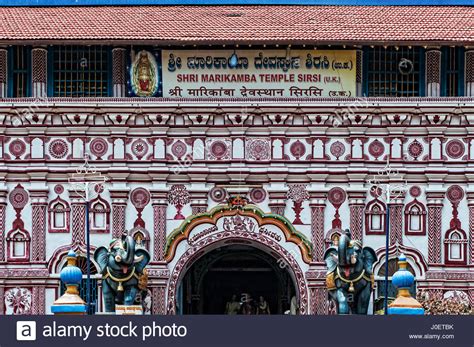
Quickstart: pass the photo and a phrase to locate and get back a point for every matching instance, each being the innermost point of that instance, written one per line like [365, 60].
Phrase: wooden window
[452, 67]
[19, 61]
[81, 71]
[394, 71]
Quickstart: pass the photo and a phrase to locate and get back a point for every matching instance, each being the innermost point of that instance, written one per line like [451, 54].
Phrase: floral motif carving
[178, 196]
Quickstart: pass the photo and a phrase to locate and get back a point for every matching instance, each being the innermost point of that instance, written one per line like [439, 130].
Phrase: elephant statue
[349, 278]
[123, 271]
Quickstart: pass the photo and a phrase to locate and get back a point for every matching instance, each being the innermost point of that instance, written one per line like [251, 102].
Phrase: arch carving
[241, 213]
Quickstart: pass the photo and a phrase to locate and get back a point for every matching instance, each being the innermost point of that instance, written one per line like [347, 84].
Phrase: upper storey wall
[239, 71]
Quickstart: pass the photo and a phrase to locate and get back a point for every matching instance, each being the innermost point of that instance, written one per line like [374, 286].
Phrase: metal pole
[88, 257]
[387, 237]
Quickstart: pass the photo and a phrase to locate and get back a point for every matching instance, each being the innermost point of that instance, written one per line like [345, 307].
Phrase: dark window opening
[452, 68]
[394, 72]
[80, 71]
[20, 82]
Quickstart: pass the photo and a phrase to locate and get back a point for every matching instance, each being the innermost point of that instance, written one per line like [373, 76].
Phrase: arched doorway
[270, 240]
[241, 270]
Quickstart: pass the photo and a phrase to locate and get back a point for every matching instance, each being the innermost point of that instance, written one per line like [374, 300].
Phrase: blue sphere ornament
[71, 274]
[403, 278]
[233, 60]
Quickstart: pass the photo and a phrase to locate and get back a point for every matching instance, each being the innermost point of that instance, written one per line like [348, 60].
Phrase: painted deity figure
[144, 75]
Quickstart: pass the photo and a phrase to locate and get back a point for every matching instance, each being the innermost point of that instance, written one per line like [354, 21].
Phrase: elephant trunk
[342, 250]
[129, 245]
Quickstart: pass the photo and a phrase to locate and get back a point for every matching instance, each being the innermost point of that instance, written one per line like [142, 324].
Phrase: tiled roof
[206, 24]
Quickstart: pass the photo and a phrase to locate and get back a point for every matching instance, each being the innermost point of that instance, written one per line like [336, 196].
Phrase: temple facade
[236, 156]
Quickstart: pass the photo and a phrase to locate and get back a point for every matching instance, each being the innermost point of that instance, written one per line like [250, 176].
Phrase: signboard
[259, 73]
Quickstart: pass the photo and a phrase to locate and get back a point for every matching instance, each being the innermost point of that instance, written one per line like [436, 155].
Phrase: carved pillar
[38, 300]
[3, 205]
[356, 208]
[118, 75]
[39, 203]
[470, 294]
[277, 202]
[435, 205]
[39, 56]
[433, 72]
[470, 203]
[160, 204]
[469, 63]
[159, 304]
[3, 72]
[2, 300]
[78, 211]
[119, 204]
[318, 301]
[359, 72]
[317, 205]
[396, 219]
[198, 201]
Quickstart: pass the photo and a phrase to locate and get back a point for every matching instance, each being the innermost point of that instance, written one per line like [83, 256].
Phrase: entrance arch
[239, 270]
[281, 256]
[236, 225]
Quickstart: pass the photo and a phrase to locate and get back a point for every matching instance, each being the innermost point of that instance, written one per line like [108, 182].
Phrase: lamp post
[87, 182]
[380, 185]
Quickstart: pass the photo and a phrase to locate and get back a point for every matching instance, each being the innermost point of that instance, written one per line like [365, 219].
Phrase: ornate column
[470, 294]
[318, 297]
[160, 204]
[39, 203]
[359, 72]
[316, 275]
[356, 208]
[277, 201]
[470, 203]
[3, 205]
[2, 300]
[78, 211]
[3, 72]
[118, 72]
[469, 64]
[39, 56]
[198, 201]
[158, 297]
[38, 300]
[119, 204]
[435, 205]
[159, 274]
[317, 204]
[396, 218]
[433, 71]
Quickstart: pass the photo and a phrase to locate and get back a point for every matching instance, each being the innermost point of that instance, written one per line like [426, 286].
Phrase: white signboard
[259, 73]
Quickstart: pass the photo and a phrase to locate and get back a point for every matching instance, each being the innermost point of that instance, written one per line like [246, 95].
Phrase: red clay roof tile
[196, 24]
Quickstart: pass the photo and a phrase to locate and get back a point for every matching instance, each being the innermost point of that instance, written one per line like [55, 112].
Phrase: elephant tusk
[138, 259]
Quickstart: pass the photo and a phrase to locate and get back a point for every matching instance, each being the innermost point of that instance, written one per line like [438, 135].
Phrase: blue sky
[231, 2]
